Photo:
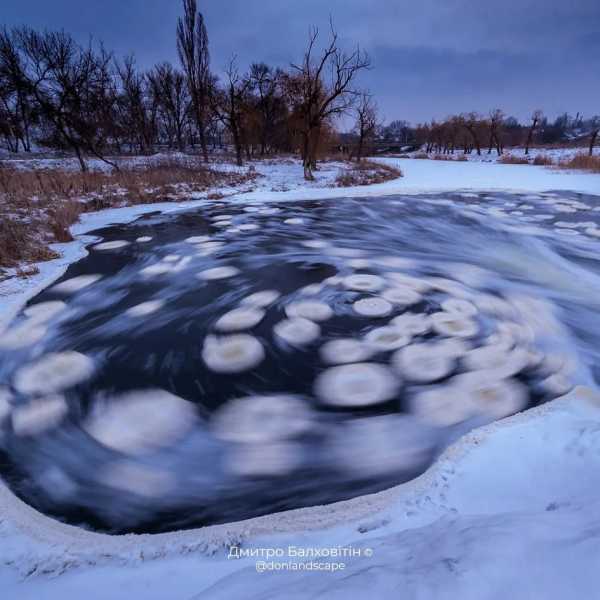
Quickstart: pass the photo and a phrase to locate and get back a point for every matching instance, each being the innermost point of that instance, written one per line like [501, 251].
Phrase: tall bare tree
[366, 122]
[536, 119]
[595, 122]
[192, 47]
[321, 88]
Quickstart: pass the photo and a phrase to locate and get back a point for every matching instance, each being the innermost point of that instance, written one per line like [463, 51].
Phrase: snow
[509, 509]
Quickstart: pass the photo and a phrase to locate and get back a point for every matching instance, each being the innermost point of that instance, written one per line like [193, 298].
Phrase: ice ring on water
[218, 273]
[403, 296]
[423, 363]
[25, 334]
[359, 384]
[239, 319]
[142, 480]
[75, 284]
[364, 283]
[232, 354]
[273, 459]
[261, 299]
[297, 331]
[387, 338]
[345, 350]
[459, 306]
[115, 245]
[145, 308]
[53, 372]
[382, 446]
[309, 309]
[38, 415]
[198, 239]
[259, 419]
[142, 421]
[442, 406]
[412, 323]
[453, 324]
[44, 311]
[372, 307]
[495, 398]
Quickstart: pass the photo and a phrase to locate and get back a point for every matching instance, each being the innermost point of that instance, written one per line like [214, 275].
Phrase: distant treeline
[472, 132]
[58, 94]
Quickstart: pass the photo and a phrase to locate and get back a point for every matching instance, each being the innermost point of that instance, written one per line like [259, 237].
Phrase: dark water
[169, 463]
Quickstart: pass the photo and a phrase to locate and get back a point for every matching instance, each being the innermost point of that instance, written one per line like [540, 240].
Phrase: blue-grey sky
[430, 57]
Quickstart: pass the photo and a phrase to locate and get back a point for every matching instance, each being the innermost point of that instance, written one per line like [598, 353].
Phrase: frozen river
[237, 360]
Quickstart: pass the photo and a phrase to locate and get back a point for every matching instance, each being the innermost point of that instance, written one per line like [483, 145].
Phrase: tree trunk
[593, 141]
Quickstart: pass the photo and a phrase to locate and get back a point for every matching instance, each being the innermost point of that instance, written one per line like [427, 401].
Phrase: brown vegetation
[38, 207]
[366, 173]
[583, 161]
[511, 159]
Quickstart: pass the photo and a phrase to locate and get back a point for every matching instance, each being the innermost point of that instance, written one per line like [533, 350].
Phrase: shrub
[510, 159]
[543, 160]
[366, 173]
[583, 161]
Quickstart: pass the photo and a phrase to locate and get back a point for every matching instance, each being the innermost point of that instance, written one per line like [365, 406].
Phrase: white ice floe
[261, 299]
[402, 296]
[145, 308]
[424, 363]
[442, 405]
[75, 284]
[143, 239]
[315, 244]
[159, 268]
[22, 335]
[273, 459]
[248, 227]
[453, 324]
[387, 338]
[294, 221]
[358, 384]
[459, 306]
[496, 398]
[415, 283]
[218, 273]
[232, 354]
[364, 283]
[44, 311]
[53, 372]
[359, 263]
[412, 323]
[197, 239]
[139, 479]
[372, 307]
[555, 385]
[297, 331]
[485, 357]
[218, 218]
[141, 421]
[260, 419]
[114, 245]
[38, 415]
[311, 289]
[239, 319]
[380, 446]
[346, 350]
[309, 309]
[171, 258]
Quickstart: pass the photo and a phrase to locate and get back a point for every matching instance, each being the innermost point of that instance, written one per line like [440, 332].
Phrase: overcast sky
[430, 57]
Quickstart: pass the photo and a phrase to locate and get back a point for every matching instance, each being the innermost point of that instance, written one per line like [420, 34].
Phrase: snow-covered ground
[510, 509]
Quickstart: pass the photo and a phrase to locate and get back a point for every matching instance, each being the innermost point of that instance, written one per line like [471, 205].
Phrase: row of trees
[472, 132]
[56, 93]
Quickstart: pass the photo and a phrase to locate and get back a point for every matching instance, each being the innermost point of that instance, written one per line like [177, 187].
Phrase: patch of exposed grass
[366, 172]
[584, 162]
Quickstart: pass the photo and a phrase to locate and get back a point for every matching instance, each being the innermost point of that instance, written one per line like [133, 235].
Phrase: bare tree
[536, 118]
[317, 100]
[192, 47]
[228, 104]
[495, 124]
[595, 122]
[366, 122]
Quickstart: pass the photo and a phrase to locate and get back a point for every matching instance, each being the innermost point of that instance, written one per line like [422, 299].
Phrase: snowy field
[510, 509]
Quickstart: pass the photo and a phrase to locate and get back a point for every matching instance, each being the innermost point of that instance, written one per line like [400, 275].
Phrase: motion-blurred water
[102, 448]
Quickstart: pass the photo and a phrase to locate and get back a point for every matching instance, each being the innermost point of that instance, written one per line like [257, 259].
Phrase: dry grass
[584, 162]
[421, 155]
[511, 159]
[37, 207]
[366, 172]
[543, 160]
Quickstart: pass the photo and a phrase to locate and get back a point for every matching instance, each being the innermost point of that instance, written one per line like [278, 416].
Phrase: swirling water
[122, 408]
